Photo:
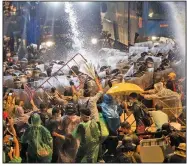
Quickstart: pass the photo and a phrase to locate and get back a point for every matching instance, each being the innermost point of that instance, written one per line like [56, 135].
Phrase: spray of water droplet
[177, 13]
[74, 26]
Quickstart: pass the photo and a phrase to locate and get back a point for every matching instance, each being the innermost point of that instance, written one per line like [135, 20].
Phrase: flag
[29, 91]
[130, 72]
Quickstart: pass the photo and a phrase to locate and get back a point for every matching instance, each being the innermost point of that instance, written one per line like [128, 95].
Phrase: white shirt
[159, 118]
[176, 125]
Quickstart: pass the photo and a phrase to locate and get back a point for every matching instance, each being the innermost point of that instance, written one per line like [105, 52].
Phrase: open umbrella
[124, 88]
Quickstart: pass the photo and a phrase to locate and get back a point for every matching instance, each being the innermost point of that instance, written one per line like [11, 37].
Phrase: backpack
[146, 118]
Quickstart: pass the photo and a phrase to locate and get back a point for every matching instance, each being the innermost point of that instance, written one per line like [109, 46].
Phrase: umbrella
[124, 88]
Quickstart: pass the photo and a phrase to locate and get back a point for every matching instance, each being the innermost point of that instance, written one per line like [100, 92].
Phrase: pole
[128, 24]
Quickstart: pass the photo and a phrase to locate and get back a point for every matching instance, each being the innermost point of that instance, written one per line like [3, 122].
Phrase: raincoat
[167, 98]
[39, 141]
[111, 113]
[67, 152]
[89, 135]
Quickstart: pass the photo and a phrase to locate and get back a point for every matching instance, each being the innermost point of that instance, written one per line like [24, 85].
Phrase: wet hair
[173, 119]
[85, 111]
[55, 110]
[109, 83]
[125, 125]
[158, 107]
[68, 92]
[86, 93]
[42, 106]
[167, 128]
[99, 108]
[133, 95]
[11, 91]
[17, 102]
[70, 109]
[53, 89]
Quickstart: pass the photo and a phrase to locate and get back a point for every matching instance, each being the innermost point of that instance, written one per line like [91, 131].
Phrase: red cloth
[140, 129]
[5, 115]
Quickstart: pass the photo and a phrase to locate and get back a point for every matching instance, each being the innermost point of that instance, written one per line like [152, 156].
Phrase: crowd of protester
[87, 126]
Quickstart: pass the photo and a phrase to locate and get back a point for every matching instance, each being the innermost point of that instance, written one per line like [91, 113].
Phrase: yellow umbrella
[124, 88]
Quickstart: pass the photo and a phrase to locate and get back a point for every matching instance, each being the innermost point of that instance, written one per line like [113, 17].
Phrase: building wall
[117, 13]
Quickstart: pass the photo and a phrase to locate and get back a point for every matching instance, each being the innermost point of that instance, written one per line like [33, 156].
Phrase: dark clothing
[45, 116]
[35, 159]
[111, 143]
[176, 139]
[128, 158]
[171, 85]
[134, 138]
[136, 110]
[173, 158]
[52, 126]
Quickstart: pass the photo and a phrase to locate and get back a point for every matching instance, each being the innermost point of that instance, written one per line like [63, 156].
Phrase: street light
[154, 38]
[94, 41]
[151, 14]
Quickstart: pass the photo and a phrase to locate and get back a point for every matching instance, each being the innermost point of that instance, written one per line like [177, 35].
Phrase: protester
[171, 83]
[179, 155]
[126, 152]
[159, 117]
[89, 134]
[136, 110]
[86, 124]
[125, 128]
[39, 141]
[111, 113]
[44, 115]
[57, 98]
[173, 122]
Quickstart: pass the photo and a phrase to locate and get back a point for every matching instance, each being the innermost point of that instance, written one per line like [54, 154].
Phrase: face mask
[130, 103]
[150, 69]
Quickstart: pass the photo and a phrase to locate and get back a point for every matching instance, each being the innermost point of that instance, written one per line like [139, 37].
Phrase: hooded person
[39, 141]
[166, 98]
[171, 83]
[111, 113]
[70, 120]
[88, 133]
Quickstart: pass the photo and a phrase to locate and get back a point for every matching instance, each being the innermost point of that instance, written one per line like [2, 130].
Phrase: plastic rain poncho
[167, 98]
[89, 135]
[38, 138]
[111, 113]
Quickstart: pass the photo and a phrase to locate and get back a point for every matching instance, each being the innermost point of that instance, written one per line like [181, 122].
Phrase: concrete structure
[120, 19]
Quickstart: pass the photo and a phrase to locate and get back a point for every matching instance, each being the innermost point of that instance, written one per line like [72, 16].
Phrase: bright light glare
[156, 44]
[151, 14]
[94, 41]
[54, 3]
[83, 3]
[49, 43]
[154, 37]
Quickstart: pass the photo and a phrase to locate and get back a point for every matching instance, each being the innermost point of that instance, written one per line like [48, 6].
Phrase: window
[157, 10]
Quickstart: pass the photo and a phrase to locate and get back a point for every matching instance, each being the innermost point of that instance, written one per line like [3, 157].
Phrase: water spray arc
[74, 27]
[177, 13]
